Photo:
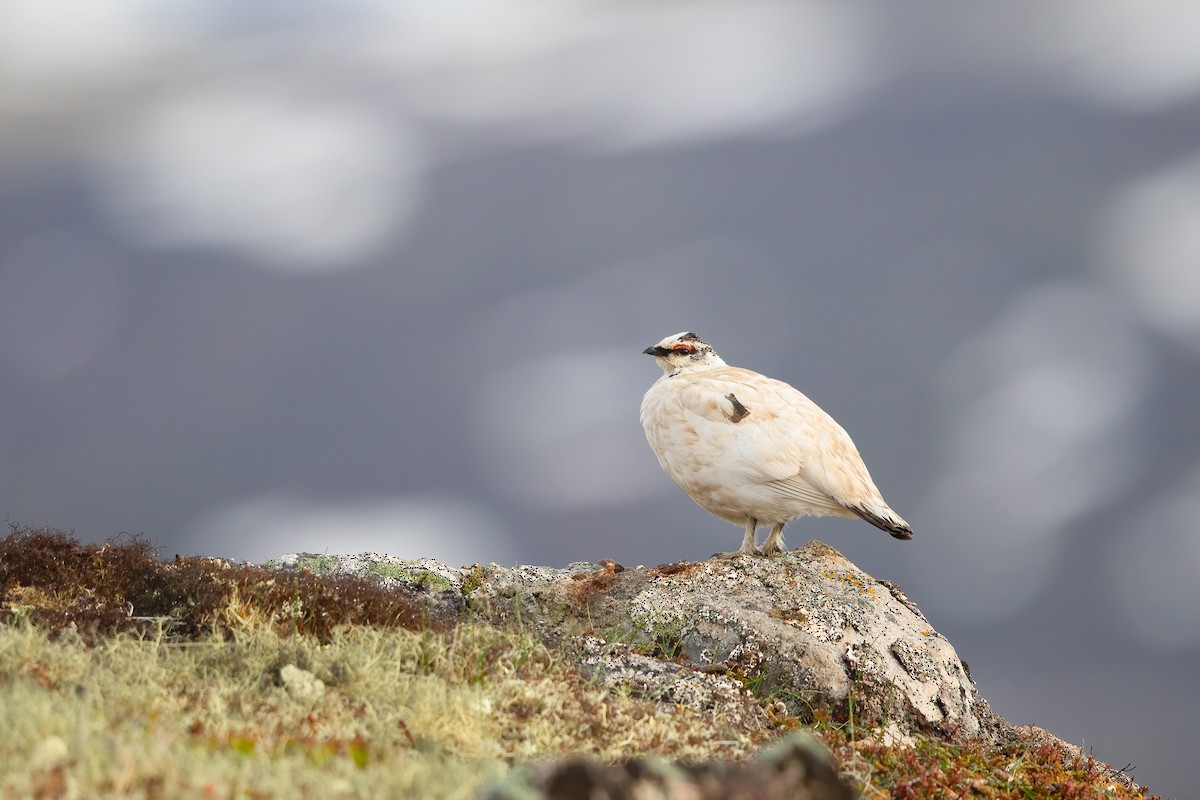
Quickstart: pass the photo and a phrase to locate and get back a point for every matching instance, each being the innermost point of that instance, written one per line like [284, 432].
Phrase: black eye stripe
[679, 347]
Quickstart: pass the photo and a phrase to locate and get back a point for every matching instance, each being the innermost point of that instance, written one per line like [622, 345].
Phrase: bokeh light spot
[296, 187]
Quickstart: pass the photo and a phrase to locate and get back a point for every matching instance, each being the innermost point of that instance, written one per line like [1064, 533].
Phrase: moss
[661, 640]
[474, 579]
[320, 563]
[930, 768]
[422, 578]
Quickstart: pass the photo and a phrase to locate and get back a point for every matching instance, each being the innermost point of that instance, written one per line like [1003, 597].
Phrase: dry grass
[164, 709]
[399, 710]
[121, 587]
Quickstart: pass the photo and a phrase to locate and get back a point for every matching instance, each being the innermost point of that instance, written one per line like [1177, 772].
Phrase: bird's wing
[778, 436]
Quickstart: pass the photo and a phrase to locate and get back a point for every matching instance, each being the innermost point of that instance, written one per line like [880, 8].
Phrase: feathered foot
[748, 542]
[774, 542]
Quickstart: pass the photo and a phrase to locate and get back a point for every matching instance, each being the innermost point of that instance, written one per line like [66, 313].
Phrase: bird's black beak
[656, 350]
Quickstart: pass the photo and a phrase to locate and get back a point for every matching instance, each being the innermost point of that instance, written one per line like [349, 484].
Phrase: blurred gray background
[377, 275]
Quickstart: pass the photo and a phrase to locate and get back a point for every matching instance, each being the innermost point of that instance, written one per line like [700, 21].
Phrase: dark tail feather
[898, 529]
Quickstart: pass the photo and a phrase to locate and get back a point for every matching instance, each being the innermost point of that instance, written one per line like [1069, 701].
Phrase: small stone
[50, 752]
[300, 683]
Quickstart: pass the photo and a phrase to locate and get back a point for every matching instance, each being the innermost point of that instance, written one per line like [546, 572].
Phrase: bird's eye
[686, 349]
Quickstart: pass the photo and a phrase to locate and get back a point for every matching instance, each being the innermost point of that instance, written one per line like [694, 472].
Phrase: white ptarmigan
[752, 450]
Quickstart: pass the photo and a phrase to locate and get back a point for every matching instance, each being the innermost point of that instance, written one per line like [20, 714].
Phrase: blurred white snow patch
[60, 304]
[1132, 56]
[598, 74]
[52, 50]
[1149, 247]
[713, 68]
[627, 74]
[1154, 564]
[298, 186]
[1041, 432]
[562, 432]
[450, 530]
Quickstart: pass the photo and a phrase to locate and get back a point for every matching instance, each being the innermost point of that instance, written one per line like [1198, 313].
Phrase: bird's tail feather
[892, 523]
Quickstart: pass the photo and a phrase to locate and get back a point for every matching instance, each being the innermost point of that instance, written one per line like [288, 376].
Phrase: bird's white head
[684, 352]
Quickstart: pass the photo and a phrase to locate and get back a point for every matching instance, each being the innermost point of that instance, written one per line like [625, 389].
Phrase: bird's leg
[748, 542]
[774, 542]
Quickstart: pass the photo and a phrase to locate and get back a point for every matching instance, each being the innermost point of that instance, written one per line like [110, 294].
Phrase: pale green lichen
[424, 578]
[321, 564]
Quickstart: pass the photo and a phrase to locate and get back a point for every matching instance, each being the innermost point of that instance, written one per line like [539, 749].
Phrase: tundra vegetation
[123, 675]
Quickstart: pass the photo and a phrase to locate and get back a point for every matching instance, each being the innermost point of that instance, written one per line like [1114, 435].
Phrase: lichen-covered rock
[416, 573]
[807, 631]
[618, 667]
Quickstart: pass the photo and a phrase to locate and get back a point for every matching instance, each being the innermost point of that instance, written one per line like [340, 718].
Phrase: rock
[414, 573]
[616, 666]
[49, 764]
[300, 683]
[808, 631]
[50, 753]
[795, 768]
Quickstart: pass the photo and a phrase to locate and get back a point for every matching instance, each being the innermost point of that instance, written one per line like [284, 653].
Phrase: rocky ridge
[804, 634]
